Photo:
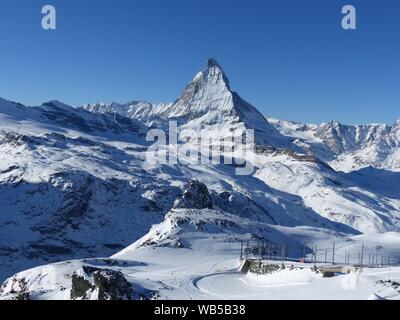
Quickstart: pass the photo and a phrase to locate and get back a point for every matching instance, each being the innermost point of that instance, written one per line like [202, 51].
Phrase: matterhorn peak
[212, 63]
[213, 74]
[209, 100]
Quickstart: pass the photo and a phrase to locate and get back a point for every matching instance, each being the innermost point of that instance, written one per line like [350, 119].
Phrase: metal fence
[356, 255]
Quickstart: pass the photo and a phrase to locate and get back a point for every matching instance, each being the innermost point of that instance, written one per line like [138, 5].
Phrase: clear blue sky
[291, 59]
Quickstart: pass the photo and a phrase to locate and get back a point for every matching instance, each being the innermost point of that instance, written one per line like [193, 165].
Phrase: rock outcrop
[195, 196]
[91, 283]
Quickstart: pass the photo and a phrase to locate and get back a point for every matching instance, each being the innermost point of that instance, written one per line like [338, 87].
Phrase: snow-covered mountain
[75, 183]
[207, 101]
[348, 147]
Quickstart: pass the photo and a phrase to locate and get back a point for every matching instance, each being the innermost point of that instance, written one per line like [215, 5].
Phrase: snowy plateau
[83, 216]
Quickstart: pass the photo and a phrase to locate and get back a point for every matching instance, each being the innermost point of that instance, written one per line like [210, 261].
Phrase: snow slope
[206, 266]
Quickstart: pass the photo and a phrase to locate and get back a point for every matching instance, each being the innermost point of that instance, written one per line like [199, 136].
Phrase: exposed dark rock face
[80, 286]
[195, 196]
[105, 284]
[19, 289]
